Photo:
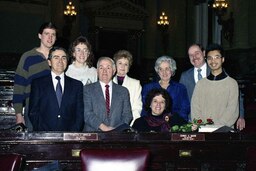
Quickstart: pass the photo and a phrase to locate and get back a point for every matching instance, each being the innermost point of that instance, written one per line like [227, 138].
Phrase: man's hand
[104, 127]
[240, 124]
[20, 118]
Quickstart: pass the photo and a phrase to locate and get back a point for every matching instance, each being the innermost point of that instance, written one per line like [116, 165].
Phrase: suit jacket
[44, 111]
[134, 89]
[95, 108]
[187, 79]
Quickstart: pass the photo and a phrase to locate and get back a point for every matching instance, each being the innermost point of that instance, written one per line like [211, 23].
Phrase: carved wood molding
[37, 2]
[118, 9]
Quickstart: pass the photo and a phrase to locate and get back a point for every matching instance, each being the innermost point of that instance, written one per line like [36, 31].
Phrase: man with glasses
[190, 77]
[216, 97]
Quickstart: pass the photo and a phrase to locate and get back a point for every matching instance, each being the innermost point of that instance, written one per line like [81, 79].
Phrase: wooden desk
[213, 151]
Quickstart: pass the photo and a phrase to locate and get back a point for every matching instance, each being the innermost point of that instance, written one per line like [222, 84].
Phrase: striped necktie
[107, 99]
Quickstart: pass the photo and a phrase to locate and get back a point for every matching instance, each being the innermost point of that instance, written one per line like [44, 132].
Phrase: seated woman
[159, 118]
[165, 67]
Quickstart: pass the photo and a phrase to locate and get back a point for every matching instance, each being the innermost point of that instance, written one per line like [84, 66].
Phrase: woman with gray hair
[165, 67]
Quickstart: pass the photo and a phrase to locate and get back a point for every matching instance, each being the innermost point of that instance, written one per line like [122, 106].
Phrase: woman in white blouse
[123, 60]
[82, 65]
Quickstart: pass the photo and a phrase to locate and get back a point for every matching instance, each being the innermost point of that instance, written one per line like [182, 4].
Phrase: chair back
[10, 162]
[114, 159]
[251, 159]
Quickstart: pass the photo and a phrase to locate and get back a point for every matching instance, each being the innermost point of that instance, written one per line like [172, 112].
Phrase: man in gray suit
[190, 77]
[106, 104]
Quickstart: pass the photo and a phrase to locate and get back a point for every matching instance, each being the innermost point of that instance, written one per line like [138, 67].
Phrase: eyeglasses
[210, 58]
[77, 50]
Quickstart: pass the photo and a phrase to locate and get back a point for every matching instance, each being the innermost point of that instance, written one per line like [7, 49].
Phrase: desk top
[129, 137]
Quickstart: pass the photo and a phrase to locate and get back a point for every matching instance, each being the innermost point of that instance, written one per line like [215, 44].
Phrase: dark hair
[214, 46]
[49, 25]
[197, 44]
[82, 40]
[54, 49]
[155, 92]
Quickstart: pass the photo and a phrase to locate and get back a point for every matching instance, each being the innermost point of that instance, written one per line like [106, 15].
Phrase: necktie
[199, 74]
[107, 98]
[58, 90]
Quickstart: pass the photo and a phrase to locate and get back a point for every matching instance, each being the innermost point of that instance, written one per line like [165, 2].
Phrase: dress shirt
[55, 81]
[203, 72]
[110, 90]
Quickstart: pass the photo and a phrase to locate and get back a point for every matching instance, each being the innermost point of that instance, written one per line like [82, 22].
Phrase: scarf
[162, 120]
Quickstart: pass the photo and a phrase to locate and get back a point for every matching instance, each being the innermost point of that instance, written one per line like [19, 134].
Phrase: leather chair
[251, 159]
[11, 162]
[114, 159]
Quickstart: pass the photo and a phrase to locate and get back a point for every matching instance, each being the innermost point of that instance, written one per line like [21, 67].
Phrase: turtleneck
[120, 80]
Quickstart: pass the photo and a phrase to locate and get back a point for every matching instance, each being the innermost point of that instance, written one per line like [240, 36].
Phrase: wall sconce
[220, 7]
[163, 24]
[70, 10]
[163, 20]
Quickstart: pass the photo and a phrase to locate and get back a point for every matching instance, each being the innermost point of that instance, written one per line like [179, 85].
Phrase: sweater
[32, 65]
[217, 100]
[84, 74]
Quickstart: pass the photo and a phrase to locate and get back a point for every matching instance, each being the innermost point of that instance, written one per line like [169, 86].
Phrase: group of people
[50, 95]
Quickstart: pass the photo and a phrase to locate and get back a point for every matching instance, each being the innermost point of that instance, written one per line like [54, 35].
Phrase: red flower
[209, 121]
[199, 121]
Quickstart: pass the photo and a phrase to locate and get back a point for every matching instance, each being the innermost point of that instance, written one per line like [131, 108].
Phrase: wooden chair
[11, 162]
[114, 159]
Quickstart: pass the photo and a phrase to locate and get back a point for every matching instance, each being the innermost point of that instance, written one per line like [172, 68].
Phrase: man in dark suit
[107, 105]
[56, 100]
[190, 77]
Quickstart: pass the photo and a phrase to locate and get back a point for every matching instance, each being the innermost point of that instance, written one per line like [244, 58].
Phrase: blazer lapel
[66, 93]
[191, 77]
[126, 81]
[208, 70]
[51, 90]
[113, 97]
[99, 97]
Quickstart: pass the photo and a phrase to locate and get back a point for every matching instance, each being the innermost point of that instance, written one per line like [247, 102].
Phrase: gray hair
[106, 58]
[168, 59]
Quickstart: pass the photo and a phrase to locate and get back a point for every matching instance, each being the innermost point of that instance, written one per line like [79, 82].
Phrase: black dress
[161, 123]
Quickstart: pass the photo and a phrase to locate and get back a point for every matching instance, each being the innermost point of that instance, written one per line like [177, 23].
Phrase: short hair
[82, 40]
[197, 44]
[53, 49]
[106, 58]
[49, 25]
[168, 59]
[123, 54]
[214, 46]
[155, 92]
